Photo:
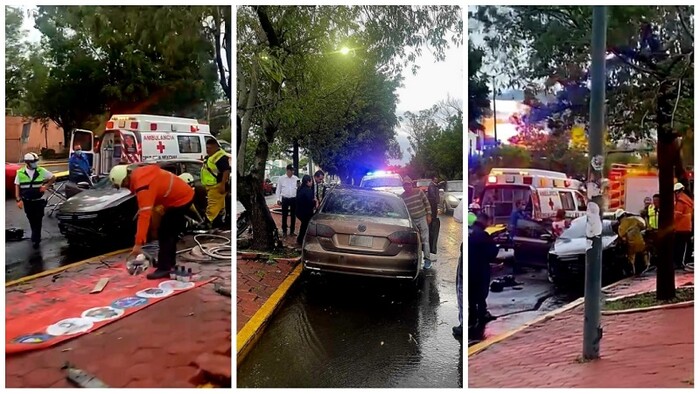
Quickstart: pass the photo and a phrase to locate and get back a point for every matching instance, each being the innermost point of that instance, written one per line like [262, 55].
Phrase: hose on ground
[208, 251]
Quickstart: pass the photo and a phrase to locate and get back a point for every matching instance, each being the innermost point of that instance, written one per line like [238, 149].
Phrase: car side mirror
[546, 237]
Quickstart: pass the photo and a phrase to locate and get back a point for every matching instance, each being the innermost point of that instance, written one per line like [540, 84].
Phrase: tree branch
[685, 26]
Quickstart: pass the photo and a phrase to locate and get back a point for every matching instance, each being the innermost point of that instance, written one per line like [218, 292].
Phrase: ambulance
[543, 192]
[628, 186]
[139, 138]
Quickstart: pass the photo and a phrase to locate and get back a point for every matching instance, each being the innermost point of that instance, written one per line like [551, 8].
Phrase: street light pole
[592, 332]
[495, 134]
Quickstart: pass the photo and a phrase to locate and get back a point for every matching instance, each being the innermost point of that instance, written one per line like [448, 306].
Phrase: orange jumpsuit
[153, 187]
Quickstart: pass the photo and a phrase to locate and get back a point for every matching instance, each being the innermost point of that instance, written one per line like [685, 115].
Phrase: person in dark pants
[482, 251]
[305, 206]
[161, 191]
[286, 197]
[434, 196]
[31, 182]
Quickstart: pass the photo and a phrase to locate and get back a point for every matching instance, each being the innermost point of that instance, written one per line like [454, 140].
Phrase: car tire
[554, 277]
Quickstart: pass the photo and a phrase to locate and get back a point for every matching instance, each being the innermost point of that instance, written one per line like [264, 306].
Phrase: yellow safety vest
[653, 217]
[209, 171]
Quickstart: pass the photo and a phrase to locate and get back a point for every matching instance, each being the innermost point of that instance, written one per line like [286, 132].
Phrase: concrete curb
[64, 268]
[253, 329]
[483, 345]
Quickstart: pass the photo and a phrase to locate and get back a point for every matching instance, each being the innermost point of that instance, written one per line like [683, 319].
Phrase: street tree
[649, 81]
[479, 104]
[288, 91]
[127, 60]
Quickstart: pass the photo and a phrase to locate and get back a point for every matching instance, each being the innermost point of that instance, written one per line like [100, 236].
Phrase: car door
[530, 248]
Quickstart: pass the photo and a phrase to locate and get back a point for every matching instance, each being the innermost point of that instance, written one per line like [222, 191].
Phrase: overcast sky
[433, 82]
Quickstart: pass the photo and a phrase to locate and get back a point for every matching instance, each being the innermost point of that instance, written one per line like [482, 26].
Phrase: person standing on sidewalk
[286, 197]
[305, 206]
[434, 196]
[482, 252]
[683, 219]
[215, 174]
[156, 189]
[459, 218]
[419, 209]
[31, 182]
[319, 191]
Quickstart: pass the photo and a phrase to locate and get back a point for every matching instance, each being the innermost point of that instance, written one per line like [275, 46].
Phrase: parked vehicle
[454, 191]
[423, 184]
[273, 181]
[105, 214]
[267, 187]
[363, 232]
[383, 181]
[10, 174]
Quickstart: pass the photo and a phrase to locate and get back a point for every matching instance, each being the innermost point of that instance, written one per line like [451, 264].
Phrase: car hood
[458, 195]
[568, 247]
[391, 189]
[95, 200]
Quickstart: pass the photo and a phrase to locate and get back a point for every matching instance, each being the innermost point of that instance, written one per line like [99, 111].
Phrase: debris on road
[83, 379]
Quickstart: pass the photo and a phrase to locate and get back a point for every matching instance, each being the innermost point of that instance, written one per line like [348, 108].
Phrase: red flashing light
[154, 126]
[527, 180]
[134, 125]
[194, 129]
[110, 125]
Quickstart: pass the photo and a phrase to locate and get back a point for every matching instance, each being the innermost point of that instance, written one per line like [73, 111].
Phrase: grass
[649, 299]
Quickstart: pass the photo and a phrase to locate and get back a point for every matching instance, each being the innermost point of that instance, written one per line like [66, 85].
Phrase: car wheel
[553, 275]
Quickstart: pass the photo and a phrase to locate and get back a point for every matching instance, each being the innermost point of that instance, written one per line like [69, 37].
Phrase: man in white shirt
[287, 198]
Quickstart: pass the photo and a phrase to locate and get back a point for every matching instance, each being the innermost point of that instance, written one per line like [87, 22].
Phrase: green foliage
[15, 56]
[160, 60]
[479, 104]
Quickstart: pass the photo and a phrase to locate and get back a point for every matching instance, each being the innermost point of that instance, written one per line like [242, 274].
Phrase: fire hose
[218, 250]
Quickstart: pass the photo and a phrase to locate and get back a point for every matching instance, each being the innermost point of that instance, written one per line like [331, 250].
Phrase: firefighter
[215, 173]
[156, 189]
[31, 182]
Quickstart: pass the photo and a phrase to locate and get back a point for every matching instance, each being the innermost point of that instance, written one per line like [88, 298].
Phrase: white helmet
[118, 173]
[678, 186]
[31, 156]
[619, 212]
[187, 177]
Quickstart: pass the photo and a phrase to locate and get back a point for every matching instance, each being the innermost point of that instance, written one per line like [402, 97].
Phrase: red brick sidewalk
[257, 279]
[182, 341]
[640, 350]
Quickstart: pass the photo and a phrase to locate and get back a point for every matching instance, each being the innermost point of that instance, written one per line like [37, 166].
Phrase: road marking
[251, 332]
[63, 268]
[481, 346]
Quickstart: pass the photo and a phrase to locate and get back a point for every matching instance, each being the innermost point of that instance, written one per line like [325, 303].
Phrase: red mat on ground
[44, 317]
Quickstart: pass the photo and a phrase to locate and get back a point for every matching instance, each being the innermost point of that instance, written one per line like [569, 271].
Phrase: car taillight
[320, 230]
[403, 238]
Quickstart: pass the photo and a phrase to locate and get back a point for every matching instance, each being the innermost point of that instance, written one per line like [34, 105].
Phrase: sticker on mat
[129, 302]
[154, 292]
[176, 285]
[32, 339]
[102, 313]
[71, 326]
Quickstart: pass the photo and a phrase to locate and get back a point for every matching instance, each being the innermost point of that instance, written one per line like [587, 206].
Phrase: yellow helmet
[118, 173]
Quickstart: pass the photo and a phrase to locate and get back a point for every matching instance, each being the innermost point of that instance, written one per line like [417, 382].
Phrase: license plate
[361, 240]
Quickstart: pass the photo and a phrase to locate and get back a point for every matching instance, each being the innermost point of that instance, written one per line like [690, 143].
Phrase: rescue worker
[31, 182]
[160, 190]
[482, 252]
[215, 174]
[419, 209]
[645, 211]
[630, 228]
[683, 220]
[652, 215]
[79, 169]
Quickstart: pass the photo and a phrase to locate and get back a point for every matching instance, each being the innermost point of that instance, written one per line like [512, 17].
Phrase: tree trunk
[246, 103]
[665, 273]
[295, 157]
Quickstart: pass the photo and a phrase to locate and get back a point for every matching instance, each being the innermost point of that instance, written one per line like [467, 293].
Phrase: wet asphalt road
[22, 260]
[357, 332]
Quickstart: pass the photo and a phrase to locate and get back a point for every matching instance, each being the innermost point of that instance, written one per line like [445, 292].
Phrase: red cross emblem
[160, 147]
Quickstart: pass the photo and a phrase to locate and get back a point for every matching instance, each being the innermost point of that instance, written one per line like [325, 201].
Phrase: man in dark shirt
[319, 188]
[434, 196]
[482, 252]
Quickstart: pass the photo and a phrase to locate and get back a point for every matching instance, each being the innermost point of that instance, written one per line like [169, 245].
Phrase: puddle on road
[354, 332]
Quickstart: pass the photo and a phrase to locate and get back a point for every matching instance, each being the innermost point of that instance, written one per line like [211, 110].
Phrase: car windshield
[352, 203]
[381, 182]
[577, 229]
[454, 186]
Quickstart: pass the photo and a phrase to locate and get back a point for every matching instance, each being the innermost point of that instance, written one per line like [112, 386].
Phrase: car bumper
[405, 265]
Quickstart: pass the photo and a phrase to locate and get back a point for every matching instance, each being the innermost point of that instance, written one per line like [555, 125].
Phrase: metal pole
[495, 134]
[592, 332]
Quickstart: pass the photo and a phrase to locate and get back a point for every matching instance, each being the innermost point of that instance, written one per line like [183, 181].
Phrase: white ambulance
[543, 192]
[137, 138]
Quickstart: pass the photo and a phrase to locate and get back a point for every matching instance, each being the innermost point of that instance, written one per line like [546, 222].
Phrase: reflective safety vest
[209, 171]
[28, 186]
[652, 217]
